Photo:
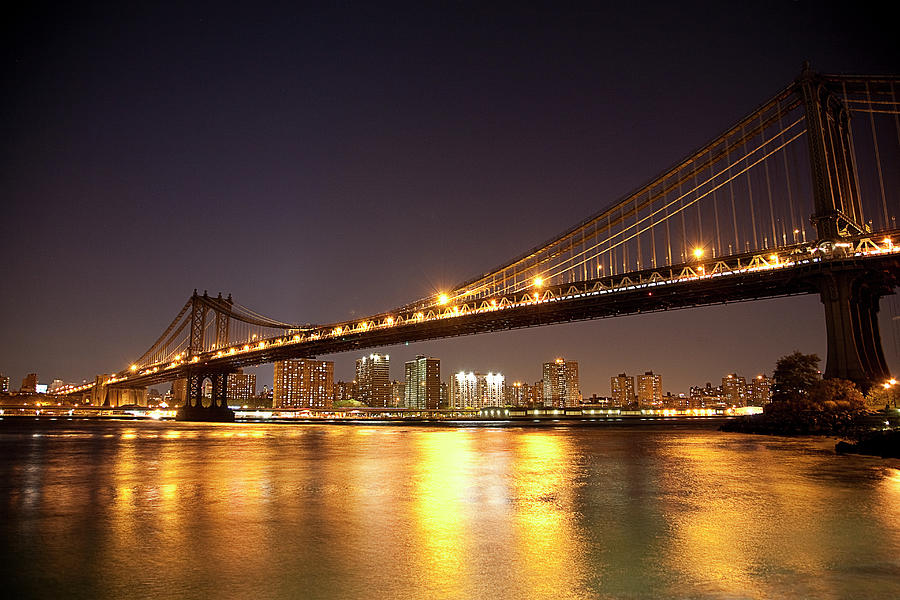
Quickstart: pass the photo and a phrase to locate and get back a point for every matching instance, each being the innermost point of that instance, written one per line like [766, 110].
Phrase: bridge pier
[851, 299]
[193, 408]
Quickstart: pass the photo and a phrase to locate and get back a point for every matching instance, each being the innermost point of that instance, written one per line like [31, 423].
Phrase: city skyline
[302, 170]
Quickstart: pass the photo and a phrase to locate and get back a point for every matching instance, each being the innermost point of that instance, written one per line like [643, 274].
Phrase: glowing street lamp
[443, 299]
[698, 253]
[538, 281]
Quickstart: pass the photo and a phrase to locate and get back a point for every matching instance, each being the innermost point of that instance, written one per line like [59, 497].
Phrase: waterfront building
[423, 383]
[536, 393]
[759, 391]
[373, 380]
[55, 386]
[621, 388]
[29, 384]
[649, 390]
[596, 401]
[491, 390]
[706, 397]
[445, 395]
[179, 392]
[303, 383]
[517, 393]
[344, 391]
[241, 387]
[398, 393]
[734, 390]
[560, 379]
[4, 384]
[477, 390]
[464, 390]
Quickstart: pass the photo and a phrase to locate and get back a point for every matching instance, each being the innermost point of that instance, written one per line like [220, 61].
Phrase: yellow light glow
[133, 367]
[698, 252]
[538, 281]
[443, 299]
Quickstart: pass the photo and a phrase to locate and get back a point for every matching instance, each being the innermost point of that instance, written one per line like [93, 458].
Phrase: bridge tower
[850, 293]
[193, 408]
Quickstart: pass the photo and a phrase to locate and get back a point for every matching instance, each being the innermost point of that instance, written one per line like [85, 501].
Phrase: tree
[795, 374]
[836, 395]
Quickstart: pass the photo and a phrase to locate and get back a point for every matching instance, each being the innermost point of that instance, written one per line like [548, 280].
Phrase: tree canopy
[795, 374]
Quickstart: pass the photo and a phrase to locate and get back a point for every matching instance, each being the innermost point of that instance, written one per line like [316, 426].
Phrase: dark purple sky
[325, 163]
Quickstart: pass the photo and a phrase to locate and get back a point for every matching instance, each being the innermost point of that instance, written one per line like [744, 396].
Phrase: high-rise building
[4, 384]
[477, 390]
[373, 380]
[464, 390]
[241, 387]
[445, 395]
[621, 388]
[734, 388]
[517, 393]
[706, 397]
[29, 384]
[649, 390]
[303, 383]
[423, 383]
[398, 393]
[759, 392]
[344, 391]
[536, 393]
[561, 383]
[492, 389]
[179, 392]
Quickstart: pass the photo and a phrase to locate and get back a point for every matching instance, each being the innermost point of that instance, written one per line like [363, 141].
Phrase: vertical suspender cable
[715, 205]
[769, 187]
[877, 155]
[750, 195]
[652, 230]
[737, 243]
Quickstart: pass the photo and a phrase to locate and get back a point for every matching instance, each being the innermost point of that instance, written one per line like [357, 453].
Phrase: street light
[698, 253]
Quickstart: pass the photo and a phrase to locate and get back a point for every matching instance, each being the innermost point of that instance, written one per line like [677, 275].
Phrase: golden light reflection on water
[238, 511]
[547, 543]
[441, 481]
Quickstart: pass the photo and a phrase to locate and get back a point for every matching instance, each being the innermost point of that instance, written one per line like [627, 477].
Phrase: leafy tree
[795, 374]
[836, 395]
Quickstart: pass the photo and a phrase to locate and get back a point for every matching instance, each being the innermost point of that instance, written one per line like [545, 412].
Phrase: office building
[649, 390]
[303, 383]
[423, 383]
[560, 379]
[621, 388]
[373, 380]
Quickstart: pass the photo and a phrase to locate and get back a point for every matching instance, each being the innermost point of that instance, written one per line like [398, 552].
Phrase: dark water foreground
[172, 510]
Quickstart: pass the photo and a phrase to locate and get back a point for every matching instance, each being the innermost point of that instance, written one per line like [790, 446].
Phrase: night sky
[326, 163]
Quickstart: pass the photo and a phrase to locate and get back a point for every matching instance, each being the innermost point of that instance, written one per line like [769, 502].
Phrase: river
[123, 509]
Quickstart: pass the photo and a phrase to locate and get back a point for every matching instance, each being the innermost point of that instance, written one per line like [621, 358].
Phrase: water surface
[98, 509]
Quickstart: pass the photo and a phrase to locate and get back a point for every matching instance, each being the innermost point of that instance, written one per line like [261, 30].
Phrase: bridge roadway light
[443, 299]
[698, 252]
[538, 281]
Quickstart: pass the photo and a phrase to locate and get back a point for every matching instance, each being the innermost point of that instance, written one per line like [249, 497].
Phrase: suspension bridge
[798, 197]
